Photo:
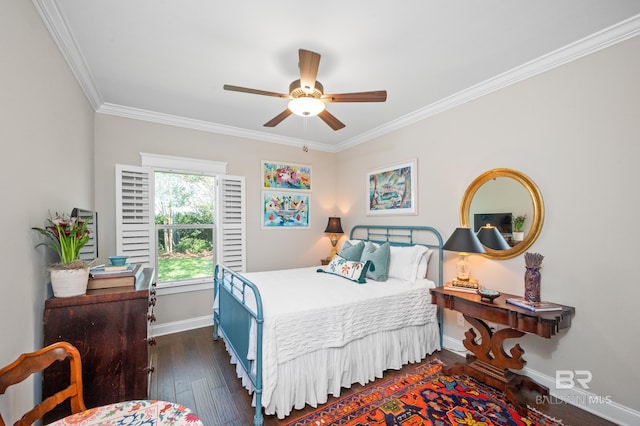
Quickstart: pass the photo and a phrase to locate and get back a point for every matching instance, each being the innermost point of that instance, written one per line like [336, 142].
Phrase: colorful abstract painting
[277, 175]
[392, 189]
[285, 210]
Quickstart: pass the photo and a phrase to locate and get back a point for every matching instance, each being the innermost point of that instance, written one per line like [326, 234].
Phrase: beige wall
[120, 140]
[573, 130]
[46, 134]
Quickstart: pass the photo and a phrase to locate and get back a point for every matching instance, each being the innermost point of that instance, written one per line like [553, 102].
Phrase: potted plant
[66, 235]
[518, 227]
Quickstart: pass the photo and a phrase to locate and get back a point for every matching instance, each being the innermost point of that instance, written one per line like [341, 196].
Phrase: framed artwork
[277, 175]
[285, 210]
[392, 189]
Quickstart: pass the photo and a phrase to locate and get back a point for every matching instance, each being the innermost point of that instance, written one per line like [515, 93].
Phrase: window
[184, 223]
[178, 208]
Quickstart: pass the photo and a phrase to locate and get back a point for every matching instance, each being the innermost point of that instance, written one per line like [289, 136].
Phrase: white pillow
[404, 262]
[423, 264]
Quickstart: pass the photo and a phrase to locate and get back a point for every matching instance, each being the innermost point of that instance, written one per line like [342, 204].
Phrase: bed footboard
[238, 308]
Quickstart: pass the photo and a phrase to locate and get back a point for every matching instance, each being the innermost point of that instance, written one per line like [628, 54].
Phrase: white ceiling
[167, 60]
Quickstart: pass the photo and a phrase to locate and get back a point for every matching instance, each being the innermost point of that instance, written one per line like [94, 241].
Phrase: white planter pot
[69, 282]
[517, 236]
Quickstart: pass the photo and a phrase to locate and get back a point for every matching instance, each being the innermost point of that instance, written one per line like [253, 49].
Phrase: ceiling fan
[307, 94]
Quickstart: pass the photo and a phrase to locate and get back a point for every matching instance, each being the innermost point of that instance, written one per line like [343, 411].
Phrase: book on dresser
[474, 284]
[105, 277]
[452, 287]
[534, 306]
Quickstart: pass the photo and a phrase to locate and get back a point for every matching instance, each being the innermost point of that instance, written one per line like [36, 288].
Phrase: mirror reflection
[497, 203]
[509, 201]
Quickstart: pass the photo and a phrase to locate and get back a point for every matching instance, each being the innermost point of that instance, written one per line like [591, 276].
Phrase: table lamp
[464, 241]
[334, 227]
[490, 237]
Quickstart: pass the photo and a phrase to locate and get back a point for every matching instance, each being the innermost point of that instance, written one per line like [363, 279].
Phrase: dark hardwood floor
[194, 370]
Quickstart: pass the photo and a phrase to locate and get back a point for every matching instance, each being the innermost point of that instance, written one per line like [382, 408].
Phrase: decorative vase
[69, 282]
[532, 285]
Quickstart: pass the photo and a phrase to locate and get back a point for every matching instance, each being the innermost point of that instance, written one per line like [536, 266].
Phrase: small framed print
[285, 210]
[278, 175]
[393, 189]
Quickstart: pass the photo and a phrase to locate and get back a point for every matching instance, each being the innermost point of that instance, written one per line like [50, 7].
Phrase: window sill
[168, 288]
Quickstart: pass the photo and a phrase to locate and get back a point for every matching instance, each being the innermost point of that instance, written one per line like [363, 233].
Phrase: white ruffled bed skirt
[311, 378]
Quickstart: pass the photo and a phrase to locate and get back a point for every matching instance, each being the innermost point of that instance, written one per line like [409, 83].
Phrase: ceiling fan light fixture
[306, 106]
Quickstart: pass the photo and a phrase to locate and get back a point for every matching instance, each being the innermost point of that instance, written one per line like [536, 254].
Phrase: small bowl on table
[488, 295]
[118, 260]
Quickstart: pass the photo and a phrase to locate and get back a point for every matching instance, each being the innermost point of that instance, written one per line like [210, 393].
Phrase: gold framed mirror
[495, 197]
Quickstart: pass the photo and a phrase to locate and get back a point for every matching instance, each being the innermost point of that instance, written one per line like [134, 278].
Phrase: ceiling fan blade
[374, 96]
[255, 91]
[331, 120]
[278, 118]
[309, 62]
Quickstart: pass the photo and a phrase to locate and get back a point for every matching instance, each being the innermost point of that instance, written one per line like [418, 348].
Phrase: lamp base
[463, 268]
[332, 253]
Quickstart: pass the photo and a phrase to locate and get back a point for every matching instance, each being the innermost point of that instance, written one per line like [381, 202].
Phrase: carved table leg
[490, 364]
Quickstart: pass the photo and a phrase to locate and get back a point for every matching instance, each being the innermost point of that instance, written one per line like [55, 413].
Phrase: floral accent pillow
[349, 269]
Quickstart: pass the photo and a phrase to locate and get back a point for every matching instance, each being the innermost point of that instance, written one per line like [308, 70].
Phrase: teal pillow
[352, 251]
[379, 257]
[349, 269]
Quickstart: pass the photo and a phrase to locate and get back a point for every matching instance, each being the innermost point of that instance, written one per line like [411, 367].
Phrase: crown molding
[59, 30]
[608, 37]
[205, 126]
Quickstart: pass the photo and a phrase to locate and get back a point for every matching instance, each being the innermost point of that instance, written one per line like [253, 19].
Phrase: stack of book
[534, 306]
[113, 276]
[468, 286]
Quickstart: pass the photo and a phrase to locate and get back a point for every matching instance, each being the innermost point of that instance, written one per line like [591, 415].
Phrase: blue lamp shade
[490, 237]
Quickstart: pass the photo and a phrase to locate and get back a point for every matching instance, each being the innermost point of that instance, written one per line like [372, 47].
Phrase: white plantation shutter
[135, 214]
[231, 231]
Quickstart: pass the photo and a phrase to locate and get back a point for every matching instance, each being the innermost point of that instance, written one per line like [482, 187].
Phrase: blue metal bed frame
[232, 318]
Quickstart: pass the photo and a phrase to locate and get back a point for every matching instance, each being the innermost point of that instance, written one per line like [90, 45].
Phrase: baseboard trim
[601, 406]
[182, 325]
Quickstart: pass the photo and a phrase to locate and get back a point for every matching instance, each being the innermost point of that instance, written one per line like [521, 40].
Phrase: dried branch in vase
[533, 260]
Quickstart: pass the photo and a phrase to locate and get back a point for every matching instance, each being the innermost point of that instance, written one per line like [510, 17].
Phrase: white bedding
[322, 332]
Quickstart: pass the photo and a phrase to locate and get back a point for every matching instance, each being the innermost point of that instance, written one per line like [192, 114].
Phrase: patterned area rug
[421, 397]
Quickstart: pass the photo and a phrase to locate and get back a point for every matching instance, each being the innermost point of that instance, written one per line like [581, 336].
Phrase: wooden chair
[33, 362]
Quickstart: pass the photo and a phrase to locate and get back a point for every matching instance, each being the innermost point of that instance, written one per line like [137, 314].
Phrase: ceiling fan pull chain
[305, 148]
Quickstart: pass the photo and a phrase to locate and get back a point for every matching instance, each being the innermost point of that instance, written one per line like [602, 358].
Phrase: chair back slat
[34, 362]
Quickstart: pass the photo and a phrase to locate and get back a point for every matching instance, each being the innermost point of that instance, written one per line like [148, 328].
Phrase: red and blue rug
[422, 397]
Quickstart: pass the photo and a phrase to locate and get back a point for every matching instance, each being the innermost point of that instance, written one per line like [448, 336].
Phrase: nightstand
[489, 362]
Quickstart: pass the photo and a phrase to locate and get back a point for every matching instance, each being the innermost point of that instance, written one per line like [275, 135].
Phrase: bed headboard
[404, 236]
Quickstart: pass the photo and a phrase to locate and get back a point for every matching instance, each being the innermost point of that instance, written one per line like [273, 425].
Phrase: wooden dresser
[110, 329]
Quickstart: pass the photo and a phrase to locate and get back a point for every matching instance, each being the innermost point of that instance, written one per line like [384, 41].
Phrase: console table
[490, 363]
